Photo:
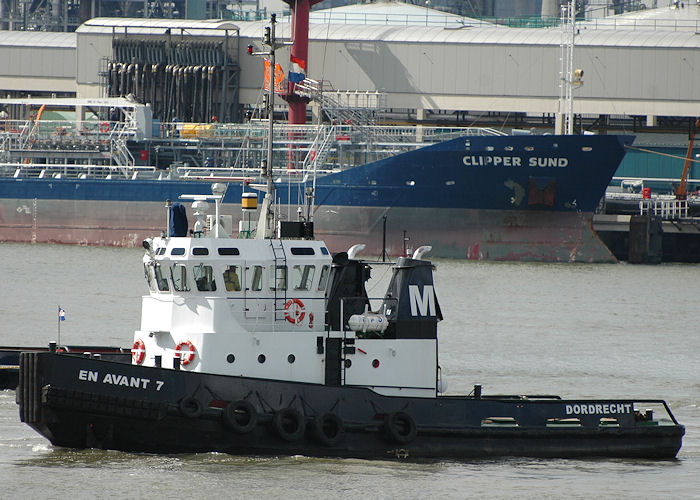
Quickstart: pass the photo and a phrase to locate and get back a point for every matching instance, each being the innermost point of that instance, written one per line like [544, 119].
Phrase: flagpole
[58, 317]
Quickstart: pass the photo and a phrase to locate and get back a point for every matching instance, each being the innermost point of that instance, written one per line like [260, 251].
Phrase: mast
[266, 222]
[569, 78]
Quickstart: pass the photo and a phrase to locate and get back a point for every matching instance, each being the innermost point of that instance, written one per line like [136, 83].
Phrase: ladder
[280, 278]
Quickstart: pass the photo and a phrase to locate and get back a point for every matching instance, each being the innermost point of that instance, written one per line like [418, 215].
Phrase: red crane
[682, 189]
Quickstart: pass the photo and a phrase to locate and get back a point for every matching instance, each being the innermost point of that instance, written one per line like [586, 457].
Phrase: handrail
[446, 21]
[666, 209]
[94, 148]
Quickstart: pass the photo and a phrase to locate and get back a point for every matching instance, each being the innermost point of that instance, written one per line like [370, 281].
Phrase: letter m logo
[422, 305]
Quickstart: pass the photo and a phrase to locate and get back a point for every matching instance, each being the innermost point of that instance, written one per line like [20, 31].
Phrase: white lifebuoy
[138, 352]
[185, 351]
[294, 311]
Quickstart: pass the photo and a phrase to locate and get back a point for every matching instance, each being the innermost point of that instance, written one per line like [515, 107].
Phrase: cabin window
[256, 279]
[150, 277]
[302, 277]
[229, 251]
[323, 281]
[278, 279]
[200, 251]
[302, 251]
[178, 273]
[204, 277]
[161, 280]
[177, 251]
[232, 278]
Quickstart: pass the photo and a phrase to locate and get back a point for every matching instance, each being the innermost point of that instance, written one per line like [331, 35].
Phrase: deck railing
[666, 209]
[96, 150]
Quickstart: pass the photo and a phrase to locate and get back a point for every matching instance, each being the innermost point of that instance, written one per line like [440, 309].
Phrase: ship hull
[82, 403]
[453, 233]
[492, 198]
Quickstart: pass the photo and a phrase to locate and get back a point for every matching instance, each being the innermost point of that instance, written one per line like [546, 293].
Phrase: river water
[586, 330]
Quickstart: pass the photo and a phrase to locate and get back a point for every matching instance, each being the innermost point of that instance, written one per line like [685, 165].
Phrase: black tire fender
[190, 407]
[328, 428]
[240, 416]
[289, 424]
[400, 427]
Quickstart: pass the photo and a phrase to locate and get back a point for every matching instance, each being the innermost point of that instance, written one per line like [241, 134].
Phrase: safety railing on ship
[215, 150]
[76, 171]
[666, 209]
[57, 134]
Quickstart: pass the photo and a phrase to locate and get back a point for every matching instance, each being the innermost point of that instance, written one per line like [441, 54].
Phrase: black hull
[187, 414]
[9, 359]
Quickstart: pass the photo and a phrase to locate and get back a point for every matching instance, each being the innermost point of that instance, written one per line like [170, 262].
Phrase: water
[601, 331]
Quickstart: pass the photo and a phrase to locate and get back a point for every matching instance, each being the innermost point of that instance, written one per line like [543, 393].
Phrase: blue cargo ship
[469, 193]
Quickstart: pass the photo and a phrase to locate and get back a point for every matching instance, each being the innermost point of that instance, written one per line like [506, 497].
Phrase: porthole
[230, 358]
[261, 358]
[291, 358]
[586, 149]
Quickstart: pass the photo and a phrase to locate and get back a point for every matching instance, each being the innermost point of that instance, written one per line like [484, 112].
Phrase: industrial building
[642, 66]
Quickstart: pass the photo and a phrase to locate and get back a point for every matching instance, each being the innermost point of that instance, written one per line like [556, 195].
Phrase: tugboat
[266, 344]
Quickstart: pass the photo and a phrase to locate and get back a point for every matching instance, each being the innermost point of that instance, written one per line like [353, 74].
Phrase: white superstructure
[257, 308]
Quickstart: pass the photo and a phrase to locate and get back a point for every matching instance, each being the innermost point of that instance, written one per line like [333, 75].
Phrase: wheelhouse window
[204, 277]
[278, 278]
[232, 278]
[302, 251]
[303, 277]
[228, 251]
[256, 279]
[323, 280]
[155, 277]
[178, 273]
[150, 276]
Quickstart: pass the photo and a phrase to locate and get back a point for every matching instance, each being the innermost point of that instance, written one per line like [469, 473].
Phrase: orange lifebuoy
[104, 127]
[186, 355]
[294, 311]
[138, 352]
